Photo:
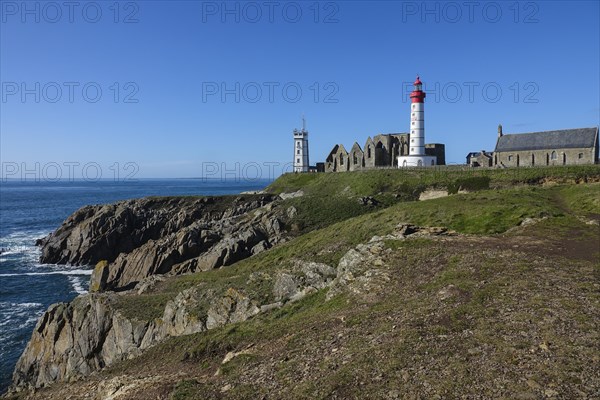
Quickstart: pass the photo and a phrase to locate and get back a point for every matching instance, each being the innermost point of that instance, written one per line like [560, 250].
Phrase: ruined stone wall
[438, 150]
[380, 152]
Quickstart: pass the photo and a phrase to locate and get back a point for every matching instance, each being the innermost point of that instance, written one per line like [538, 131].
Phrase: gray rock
[368, 201]
[96, 233]
[163, 236]
[148, 283]
[302, 279]
[292, 212]
[260, 247]
[359, 271]
[285, 196]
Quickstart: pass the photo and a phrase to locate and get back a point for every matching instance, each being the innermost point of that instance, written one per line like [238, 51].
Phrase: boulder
[368, 201]
[99, 277]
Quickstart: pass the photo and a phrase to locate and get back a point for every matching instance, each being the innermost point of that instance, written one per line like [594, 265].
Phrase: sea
[30, 210]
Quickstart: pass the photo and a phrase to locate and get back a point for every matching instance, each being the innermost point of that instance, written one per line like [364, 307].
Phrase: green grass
[368, 183]
[582, 199]
[485, 212]
[333, 197]
[144, 307]
[470, 183]
[316, 212]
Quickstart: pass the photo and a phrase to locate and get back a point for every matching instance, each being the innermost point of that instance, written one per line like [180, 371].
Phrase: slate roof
[478, 153]
[563, 139]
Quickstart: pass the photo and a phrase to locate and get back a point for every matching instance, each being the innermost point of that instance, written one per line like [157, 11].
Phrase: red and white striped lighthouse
[416, 156]
[417, 120]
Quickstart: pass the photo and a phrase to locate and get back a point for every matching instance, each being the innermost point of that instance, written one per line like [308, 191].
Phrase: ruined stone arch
[380, 158]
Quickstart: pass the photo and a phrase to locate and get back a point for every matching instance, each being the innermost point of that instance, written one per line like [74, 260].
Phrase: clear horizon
[155, 90]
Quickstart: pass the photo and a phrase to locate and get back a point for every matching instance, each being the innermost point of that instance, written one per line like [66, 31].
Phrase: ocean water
[30, 210]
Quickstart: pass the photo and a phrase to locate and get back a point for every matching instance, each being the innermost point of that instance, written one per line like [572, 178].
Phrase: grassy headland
[509, 308]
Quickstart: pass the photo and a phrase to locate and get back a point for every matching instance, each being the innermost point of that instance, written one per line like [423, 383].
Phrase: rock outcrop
[361, 270]
[134, 244]
[72, 340]
[102, 232]
[135, 239]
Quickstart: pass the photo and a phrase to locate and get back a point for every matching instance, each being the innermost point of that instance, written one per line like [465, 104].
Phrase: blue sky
[162, 68]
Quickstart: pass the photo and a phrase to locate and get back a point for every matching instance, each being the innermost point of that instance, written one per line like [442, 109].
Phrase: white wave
[15, 312]
[27, 254]
[77, 284]
[21, 245]
[13, 248]
[24, 236]
[20, 305]
[30, 321]
[64, 272]
[26, 305]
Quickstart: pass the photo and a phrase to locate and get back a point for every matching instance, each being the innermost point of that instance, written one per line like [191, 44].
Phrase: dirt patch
[432, 194]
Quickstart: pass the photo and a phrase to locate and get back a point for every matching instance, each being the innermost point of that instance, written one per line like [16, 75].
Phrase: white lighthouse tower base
[416, 161]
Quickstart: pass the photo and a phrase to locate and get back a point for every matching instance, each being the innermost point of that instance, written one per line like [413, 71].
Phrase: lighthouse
[416, 155]
[301, 149]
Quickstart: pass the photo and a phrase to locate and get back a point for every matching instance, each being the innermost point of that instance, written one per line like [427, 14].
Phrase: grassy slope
[328, 201]
[523, 324]
[333, 197]
[483, 212]
[367, 183]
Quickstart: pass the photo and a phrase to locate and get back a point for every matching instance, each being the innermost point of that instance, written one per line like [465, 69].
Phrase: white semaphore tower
[301, 148]
[416, 155]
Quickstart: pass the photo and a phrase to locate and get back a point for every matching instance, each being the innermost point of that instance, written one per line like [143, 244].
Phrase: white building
[301, 149]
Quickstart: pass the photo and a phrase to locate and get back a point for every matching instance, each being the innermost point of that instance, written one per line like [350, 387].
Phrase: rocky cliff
[139, 238]
[102, 232]
[134, 243]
